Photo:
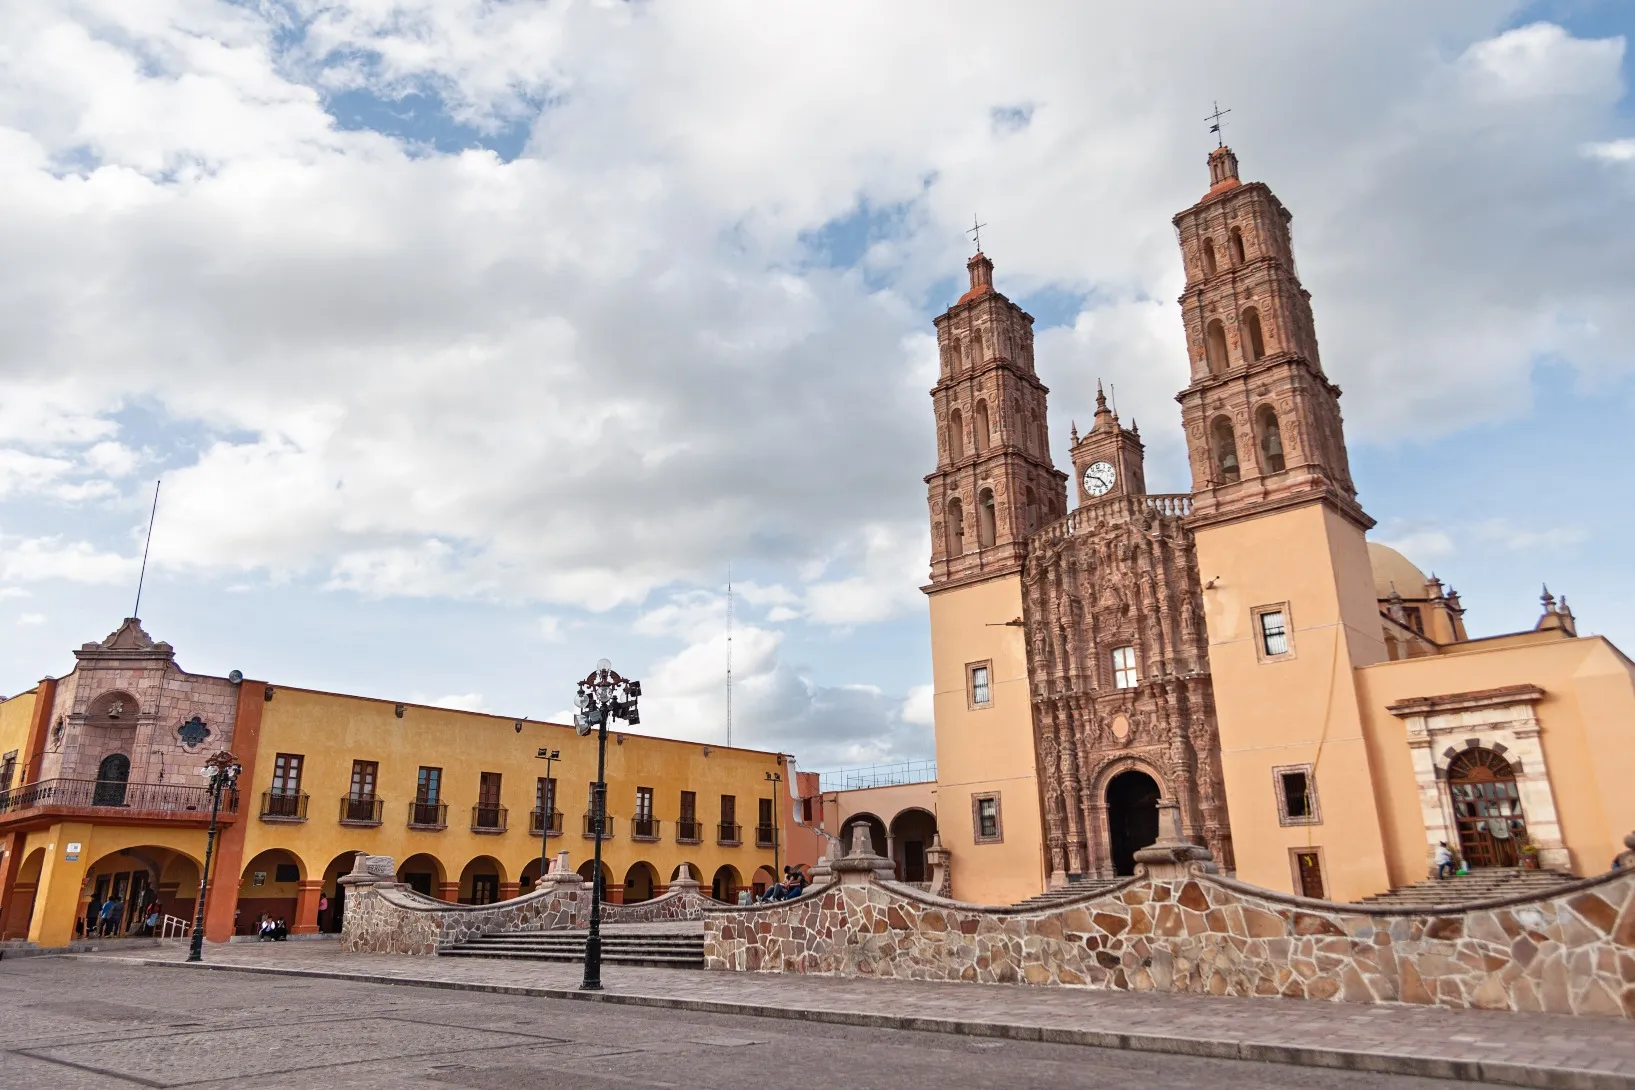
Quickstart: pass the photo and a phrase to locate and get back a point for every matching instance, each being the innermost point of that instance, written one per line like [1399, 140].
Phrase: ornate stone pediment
[128, 641]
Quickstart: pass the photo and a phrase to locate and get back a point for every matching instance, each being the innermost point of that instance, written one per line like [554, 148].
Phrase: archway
[640, 883]
[912, 831]
[20, 908]
[422, 873]
[269, 886]
[1132, 817]
[609, 890]
[141, 878]
[725, 885]
[877, 834]
[1215, 347]
[480, 881]
[762, 880]
[691, 870]
[330, 919]
[528, 880]
[1486, 808]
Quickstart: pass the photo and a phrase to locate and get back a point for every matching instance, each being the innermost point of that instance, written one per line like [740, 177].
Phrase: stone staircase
[1074, 889]
[1482, 884]
[659, 950]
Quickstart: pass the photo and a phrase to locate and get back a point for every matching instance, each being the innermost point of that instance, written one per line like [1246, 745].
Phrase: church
[1309, 701]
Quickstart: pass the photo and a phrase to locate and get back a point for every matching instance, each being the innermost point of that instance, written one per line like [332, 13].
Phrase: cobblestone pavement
[97, 1023]
[1501, 1047]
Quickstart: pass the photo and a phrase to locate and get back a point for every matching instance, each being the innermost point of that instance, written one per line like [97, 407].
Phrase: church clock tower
[993, 486]
[1108, 461]
[1288, 592]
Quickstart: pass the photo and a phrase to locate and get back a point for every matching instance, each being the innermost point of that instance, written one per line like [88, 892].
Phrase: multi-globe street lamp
[603, 696]
[221, 774]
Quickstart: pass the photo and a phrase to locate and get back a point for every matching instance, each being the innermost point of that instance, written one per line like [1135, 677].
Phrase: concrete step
[658, 950]
[1074, 889]
[1486, 884]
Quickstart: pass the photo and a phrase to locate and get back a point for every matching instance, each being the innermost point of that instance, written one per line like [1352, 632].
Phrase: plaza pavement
[1475, 1046]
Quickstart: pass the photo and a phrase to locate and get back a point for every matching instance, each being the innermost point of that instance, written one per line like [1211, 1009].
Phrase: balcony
[644, 828]
[428, 815]
[361, 811]
[132, 800]
[487, 819]
[764, 836]
[590, 826]
[689, 832]
[729, 834]
[283, 806]
[553, 826]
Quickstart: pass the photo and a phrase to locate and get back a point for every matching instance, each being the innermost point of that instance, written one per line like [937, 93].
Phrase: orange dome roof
[1392, 568]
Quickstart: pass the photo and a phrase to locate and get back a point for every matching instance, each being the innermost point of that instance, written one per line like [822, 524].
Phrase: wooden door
[1311, 874]
[1487, 809]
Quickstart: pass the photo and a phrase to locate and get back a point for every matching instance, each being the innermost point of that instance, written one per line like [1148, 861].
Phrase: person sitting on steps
[1444, 860]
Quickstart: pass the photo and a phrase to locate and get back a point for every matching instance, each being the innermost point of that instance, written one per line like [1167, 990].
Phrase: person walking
[111, 909]
[1444, 860]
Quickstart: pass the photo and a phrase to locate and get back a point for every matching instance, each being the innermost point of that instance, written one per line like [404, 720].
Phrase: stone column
[307, 892]
[1172, 855]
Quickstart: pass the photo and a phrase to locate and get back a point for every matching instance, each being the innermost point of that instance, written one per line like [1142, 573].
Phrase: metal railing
[857, 779]
[590, 825]
[358, 811]
[488, 819]
[554, 828]
[729, 832]
[644, 828]
[763, 836]
[689, 832]
[284, 805]
[174, 927]
[163, 798]
[428, 815]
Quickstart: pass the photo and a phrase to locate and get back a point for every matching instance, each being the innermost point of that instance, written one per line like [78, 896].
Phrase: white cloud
[32, 560]
[30, 618]
[1507, 533]
[470, 702]
[1616, 151]
[1422, 545]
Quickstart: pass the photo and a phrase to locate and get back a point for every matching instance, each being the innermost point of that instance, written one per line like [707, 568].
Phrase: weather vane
[976, 232]
[1216, 124]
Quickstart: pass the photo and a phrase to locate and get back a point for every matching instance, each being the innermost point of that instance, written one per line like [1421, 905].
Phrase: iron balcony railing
[689, 832]
[553, 827]
[488, 819]
[644, 828]
[763, 836]
[590, 825]
[155, 798]
[361, 811]
[893, 775]
[428, 815]
[729, 833]
[284, 805]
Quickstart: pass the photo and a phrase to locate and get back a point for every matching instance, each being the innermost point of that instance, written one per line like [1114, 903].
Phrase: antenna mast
[729, 652]
[136, 610]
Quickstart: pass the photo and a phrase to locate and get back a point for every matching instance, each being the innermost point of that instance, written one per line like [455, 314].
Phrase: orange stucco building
[1309, 699]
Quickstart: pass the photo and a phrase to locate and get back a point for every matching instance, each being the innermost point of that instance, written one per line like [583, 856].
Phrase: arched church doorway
[1132, 817]
[1487, 809]
[112, 775]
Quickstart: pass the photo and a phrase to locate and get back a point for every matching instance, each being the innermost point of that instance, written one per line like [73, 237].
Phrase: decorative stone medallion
[193, 732]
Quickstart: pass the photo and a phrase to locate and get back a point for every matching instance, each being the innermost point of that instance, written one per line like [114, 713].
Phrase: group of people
[272, 929]
[106, 919]
[793, 885]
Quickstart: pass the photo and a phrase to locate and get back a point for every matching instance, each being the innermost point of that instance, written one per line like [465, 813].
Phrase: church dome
[1391, 567]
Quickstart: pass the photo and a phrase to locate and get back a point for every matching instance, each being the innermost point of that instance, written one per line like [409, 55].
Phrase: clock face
[1099, 478]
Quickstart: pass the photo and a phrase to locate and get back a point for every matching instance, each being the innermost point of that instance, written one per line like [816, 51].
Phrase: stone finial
[1073, 433]
[938, 858]
[861, 864]
[1548, 600]
[862, 840]
[1172, 855]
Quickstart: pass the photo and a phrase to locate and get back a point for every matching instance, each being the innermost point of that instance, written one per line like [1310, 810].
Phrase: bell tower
[1287, 587]
[993, 486]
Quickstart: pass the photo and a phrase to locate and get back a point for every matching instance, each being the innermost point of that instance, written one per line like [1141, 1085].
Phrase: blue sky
[473, 340]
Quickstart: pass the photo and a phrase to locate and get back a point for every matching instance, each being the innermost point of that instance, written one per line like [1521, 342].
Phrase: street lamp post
[547, 803]
[776, 778]
[221, 774]
[603, 696]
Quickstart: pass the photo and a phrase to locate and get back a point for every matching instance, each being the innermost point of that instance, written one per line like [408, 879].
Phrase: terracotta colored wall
[1299, 710]
[988, 749]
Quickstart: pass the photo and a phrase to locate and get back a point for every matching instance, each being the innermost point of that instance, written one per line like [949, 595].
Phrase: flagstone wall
[1573, 952]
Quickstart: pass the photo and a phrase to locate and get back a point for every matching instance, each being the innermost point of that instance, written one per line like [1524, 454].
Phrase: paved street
[88, 1023]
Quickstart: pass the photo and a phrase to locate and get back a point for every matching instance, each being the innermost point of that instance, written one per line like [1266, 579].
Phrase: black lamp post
[603, 696]
[776, 779]
[221, 774]
[547, 803]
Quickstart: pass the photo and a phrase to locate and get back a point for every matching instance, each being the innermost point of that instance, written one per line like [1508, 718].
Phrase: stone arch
[143, 875]
[1031, 503]
[1487, 810]
[726, 883]
[981, 429]
[480, 881]
[956, 527]
[762, 880]
[269, 885]
[1210, 265]
[987, 521]
[878, 835]
[1269, 439]
[641, 882]
[1131, 798]
[1239, 254]
[588, 868]
[1250, 337]
[423, 873]
[1098, 826]
[113, 775]
[329, 920]
[1224, 446]
[116, 707]
[1215, 354]
[19, 909]
[690, 869]
[913, 829]
[956, 434]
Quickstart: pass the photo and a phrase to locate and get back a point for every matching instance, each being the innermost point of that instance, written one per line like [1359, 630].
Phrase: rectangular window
[729, 809]
[1274, 633]
[985, 819]
[806, 811]
[545, 795]
[363, 780]
[1124, 675]
[1296, 788]
[981, 691]
[1416, 620]
[429, 788]
[287, 774]
[8, 769]
[488, 789]
[644, 803]
[729, 831]
[687, 824]
[764, 831]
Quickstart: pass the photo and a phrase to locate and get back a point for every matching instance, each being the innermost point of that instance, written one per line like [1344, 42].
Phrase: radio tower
[729, 653]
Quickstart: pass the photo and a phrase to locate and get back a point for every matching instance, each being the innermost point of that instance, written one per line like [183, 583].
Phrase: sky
[474, 340]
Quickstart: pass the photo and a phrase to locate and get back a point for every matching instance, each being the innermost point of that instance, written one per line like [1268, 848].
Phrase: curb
[1379, 1063]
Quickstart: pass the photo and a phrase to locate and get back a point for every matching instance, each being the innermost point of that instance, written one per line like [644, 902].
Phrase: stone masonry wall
[1573, 952]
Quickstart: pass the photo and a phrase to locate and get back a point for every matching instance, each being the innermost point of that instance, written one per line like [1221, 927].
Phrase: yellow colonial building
[101, 797]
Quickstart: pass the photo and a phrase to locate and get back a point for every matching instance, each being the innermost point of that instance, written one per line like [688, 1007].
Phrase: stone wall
[1196, 932]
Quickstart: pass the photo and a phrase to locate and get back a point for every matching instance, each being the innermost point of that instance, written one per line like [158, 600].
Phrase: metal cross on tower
[1216, 124]
[976, 232]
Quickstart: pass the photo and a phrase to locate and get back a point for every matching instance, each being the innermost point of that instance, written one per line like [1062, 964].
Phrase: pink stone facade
[1571, 953]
